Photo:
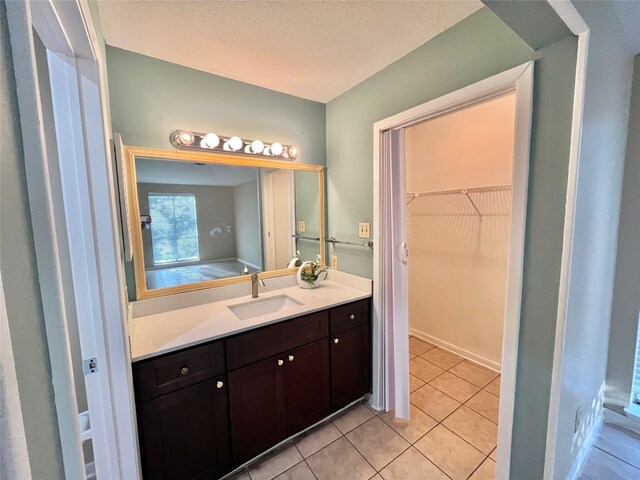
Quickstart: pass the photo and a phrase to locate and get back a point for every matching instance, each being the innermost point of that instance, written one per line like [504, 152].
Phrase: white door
[62, 100]
[390, 267]
[277, 210]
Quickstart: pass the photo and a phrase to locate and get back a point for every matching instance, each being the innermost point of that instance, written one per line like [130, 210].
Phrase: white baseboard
[628, 419]
[249, 264]
[585, 449]
[485, 362]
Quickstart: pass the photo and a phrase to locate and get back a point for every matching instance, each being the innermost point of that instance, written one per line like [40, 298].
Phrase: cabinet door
[307, 385]
[257, 407]
[185, 434]
[350, 366]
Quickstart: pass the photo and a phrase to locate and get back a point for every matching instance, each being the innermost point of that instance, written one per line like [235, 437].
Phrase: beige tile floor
[615, 456]
[452, 433]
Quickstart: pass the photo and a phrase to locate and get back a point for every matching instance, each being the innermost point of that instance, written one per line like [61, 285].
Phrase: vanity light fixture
[188, 140]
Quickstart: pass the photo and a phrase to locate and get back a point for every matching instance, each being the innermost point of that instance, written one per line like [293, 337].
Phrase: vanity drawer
[251, 347]
[349, 316]
[160, 376]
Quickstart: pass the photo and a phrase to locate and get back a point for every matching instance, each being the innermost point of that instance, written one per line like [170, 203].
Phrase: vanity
[221, 377]
[214, 390]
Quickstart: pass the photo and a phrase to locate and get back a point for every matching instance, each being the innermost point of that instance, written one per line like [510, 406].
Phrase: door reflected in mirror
[203, 222]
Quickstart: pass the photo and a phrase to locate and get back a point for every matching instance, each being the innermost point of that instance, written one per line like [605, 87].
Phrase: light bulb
[276, 148]
[235, 143]
[247, 149]
[294, 151]
[226, 147]
[267, 151]
[257, 146]
[210, 140]
[186, 137]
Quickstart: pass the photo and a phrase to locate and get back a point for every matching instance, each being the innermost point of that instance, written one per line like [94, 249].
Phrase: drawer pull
[291, 358]
[280, 363]
[335, 340]
[352, 316]
[219, 384]
[184, 370]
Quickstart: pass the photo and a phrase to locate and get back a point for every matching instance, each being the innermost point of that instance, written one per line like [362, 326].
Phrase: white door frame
[84, 240]
[519, 80]
[574, 21]
[267, 193]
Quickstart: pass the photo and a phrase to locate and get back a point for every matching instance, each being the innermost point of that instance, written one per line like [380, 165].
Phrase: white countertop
[164, 332]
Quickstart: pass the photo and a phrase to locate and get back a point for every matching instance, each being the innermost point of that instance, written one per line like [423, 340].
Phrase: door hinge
[90, 366]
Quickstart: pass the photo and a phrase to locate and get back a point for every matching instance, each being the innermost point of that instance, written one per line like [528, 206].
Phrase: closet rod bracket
[466, 194]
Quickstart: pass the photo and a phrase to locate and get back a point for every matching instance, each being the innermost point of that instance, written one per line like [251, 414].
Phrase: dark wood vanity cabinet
[350, 366]
[185, 434]
[278, 397]
[350, 352]
[207, 409]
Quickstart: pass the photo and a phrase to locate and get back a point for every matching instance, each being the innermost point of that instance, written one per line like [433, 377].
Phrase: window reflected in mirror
[205, 221]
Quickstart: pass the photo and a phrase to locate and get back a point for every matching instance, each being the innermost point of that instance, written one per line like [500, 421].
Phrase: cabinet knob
[335, 340]
[352, 316]
[291, 358]
[280, 362]
[184, 370]
[220, 384]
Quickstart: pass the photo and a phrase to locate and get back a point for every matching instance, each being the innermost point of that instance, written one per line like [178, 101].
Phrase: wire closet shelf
[478, 201]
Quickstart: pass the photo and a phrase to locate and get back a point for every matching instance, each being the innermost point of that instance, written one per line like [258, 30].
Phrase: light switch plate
[334, 262]
[301, 226]
[364, 230]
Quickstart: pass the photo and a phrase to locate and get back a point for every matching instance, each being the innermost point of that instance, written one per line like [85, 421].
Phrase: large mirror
[201, 220]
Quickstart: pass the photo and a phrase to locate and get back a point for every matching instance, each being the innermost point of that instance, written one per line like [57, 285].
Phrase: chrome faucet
[255, 281]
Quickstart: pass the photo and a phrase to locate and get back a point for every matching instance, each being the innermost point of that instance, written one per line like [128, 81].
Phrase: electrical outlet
[301, 226]
[334, 262]
[364, 230]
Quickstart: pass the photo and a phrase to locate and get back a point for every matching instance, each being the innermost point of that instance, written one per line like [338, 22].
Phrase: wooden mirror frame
[132, 152]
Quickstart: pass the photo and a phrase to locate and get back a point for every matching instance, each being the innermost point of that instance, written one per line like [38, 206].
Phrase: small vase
[315, 283]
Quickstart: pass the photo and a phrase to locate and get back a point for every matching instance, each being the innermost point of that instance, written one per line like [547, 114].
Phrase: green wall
[20, 282]
[472, 50]
[476, 48]
[547, 195]
[150, 98]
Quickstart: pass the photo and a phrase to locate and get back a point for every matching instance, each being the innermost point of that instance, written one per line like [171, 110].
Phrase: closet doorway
[450, 178]
[458, 182]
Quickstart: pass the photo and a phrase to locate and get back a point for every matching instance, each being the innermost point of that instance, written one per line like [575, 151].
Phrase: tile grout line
[359, 452]
[413, 445]
[486, 456]
[305, 461]
[447, 428]
[616, 457]
[478, 467]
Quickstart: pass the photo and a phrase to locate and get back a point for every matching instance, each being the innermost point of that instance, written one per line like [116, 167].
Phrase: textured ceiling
[311, 49]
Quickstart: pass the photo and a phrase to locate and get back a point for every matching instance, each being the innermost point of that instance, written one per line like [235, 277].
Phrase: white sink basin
[263, 306]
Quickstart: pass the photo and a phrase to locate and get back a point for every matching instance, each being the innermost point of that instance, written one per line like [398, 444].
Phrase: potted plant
[309, 273]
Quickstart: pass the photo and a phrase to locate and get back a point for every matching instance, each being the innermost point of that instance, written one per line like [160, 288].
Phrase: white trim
[249, 264]
[74, 188]
[574, 21]
[123, 196]
[520, 80]
[268, 218]
[474, 357]
[45, 219]
[66, 29]
[106, 238]
[629, 419]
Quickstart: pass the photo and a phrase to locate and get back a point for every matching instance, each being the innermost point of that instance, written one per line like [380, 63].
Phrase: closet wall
[458, 258]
